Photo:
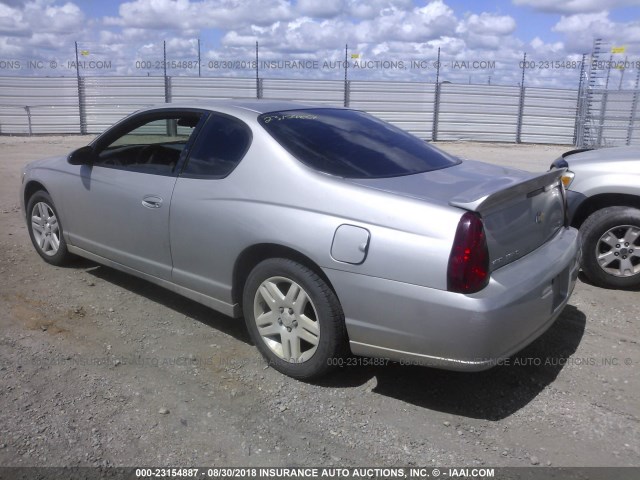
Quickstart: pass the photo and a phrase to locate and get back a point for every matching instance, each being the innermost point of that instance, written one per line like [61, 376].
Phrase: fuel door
[350, 244]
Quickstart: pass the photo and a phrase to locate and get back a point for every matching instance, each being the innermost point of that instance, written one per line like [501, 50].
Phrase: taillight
[468, 269]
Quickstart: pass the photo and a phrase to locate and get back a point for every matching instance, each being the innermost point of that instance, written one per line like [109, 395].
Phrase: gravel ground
[100, 368]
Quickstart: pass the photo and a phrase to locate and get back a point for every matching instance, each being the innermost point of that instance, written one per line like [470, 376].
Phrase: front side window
[151, 146]
[352, 144]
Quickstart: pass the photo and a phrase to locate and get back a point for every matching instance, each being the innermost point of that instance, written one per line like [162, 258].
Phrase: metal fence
[612, 119]
[108, 99]
[39, 105]
[34, 105]
[549, 115]
[605, 117]
[407, 105]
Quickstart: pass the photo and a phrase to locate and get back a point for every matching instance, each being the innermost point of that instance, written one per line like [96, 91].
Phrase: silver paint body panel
[395, 300]
[604, 171]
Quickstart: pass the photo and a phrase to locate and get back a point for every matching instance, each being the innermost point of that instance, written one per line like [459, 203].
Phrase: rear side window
[352, 144]
[219, 147]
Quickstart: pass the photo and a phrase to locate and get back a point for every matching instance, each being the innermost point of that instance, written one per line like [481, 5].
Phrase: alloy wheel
[287, 319]
[618, 252]
[46, 231]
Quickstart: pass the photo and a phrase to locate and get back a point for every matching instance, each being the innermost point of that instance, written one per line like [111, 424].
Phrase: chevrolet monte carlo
[330, 231]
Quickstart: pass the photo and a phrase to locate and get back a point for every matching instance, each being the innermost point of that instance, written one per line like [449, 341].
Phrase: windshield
[352, 144]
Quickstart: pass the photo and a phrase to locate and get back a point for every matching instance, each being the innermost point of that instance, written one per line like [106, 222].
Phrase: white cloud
[65, 19]
[320, 8]
[41, 17]
[593, 23]
[364, 9]
[192, 15]
[312, 29]
[12, 3]
[575, 6]
[8, 48]
[307, 34]
[12, 21]
[487, 31]
[581, 29]
[489, 24]
[47, 41]
[543, 49]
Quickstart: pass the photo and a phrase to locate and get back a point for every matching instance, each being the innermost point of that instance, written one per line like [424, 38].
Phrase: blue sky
[127, 35]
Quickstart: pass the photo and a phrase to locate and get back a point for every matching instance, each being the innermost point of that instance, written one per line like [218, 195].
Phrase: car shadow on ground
[182, 305]
[584, 279]
[492, 394]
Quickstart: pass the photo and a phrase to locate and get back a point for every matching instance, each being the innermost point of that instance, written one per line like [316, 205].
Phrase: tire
[611, 247]
[45, 229]
[294, 318]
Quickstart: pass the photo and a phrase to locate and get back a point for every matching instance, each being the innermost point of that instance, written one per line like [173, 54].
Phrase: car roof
[239, 105]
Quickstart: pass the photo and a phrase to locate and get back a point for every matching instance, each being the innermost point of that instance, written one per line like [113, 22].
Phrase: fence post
[167, 89]
[81, 96]
[28, 110]
[634, 108]
[521, 101]
[578, 136]
[347, 93]
[591, 87]
[167, 81]
[346, 79]
[258, 79]
[199, 58]
[520, 115]
[622, 73]
[82, 104]
[436, 102]
[603, 111]
[603, 105]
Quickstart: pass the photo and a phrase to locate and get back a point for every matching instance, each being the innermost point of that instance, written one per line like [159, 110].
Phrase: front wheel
[611, 247]
[45, 229]
[294, 318]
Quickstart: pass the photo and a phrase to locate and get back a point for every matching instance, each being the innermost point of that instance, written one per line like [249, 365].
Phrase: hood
[51, 162]
[613, 154]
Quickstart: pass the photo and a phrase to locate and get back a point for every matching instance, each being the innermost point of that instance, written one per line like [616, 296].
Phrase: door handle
[152, 201]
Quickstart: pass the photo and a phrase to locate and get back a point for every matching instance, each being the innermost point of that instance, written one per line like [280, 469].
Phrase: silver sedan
[330, 231]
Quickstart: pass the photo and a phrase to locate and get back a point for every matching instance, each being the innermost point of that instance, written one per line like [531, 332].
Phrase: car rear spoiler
[485, 197]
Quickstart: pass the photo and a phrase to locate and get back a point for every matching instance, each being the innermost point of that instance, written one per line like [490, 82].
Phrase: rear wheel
[611, 247]
[294, 318]
[45, 229]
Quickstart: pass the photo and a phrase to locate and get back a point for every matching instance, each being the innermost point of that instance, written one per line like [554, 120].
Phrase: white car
[603, 195]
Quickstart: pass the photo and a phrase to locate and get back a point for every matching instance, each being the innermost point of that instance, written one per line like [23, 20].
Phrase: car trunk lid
[521, 210]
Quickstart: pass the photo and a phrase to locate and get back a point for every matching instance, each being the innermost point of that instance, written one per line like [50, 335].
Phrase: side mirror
[82, 156]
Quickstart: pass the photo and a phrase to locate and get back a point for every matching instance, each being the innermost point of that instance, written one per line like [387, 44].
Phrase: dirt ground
[100, 368]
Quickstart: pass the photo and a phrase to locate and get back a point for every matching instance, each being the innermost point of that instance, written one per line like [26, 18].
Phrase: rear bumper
[430, 327]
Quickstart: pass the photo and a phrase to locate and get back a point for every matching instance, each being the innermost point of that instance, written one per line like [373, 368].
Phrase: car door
[203, 221]
[119, 207]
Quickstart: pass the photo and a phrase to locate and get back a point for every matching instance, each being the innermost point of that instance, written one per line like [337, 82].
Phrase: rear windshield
[352, 144]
